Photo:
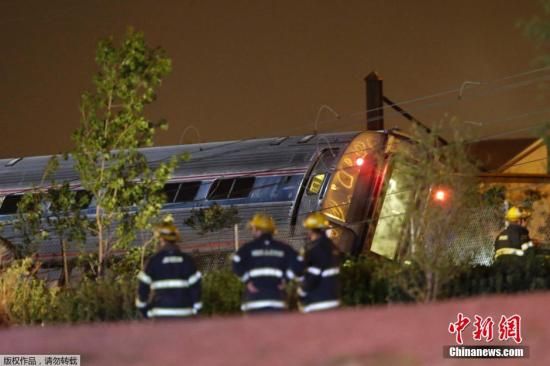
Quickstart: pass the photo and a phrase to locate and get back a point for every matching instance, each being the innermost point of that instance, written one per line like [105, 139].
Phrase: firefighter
[265, 265]
[320, 287]
[512, 248]
[170, 285]
[513, 242]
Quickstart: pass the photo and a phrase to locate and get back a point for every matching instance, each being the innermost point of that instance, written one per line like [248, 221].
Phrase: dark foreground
[395, 335]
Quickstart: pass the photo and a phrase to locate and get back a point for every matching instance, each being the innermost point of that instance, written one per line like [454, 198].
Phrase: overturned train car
[345, 175]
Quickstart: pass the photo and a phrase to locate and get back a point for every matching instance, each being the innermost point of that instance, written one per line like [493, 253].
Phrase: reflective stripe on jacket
[320, 289]
[170, 285]
[514, 240]
[266, 264]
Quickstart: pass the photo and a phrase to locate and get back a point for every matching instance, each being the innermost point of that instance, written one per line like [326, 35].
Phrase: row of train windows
[8, 204]
[219, 190]
[175, 192]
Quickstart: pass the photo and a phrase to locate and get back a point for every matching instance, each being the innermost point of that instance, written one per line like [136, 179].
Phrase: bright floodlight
[440, 195]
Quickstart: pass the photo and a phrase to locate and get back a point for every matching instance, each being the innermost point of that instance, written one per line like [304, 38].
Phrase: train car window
[187, 191]
[324, 186]
[242, 187]
[171, 190]
[9, 204]
[220, 189]
[231, 188]
[316, 183]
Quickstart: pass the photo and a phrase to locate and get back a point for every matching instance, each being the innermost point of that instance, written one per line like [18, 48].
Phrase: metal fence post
[236, 236]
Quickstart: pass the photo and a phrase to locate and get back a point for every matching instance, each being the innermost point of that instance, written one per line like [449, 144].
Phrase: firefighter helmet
[262, 222]
[316, 220]
[167, 230]
[515, 214]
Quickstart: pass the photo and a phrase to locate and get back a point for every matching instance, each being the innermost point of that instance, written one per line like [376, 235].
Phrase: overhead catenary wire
[403, 102]
[425, 106]
[487, 137]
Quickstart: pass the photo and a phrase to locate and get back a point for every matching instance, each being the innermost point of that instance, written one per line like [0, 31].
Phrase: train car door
[314, 186]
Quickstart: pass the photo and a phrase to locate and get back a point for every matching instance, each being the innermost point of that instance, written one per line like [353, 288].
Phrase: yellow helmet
[167, 230]
[262, 222]
[515, 214]
[316, 220]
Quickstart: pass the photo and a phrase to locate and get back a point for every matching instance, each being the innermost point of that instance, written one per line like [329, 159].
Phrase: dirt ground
[394, 335]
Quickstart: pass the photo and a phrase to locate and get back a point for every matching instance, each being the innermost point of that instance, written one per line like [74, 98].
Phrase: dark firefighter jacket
[267, 264]
[514, 240]
[320, 287]
[170, 285]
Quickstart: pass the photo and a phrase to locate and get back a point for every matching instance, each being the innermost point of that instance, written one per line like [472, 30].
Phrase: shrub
[362, 282]
[366, 280]
[107, 298]
[24, 299]
[221, 292]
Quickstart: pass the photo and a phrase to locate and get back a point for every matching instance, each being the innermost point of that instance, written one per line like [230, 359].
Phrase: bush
[104, 299]
[367, 280]
[221, 292]
[25, 299]
[362, 282]
[531, 275]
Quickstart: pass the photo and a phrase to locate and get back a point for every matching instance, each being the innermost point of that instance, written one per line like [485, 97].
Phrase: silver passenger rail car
[342, 174]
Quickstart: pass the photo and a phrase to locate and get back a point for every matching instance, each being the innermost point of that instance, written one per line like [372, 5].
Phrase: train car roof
[279, 155]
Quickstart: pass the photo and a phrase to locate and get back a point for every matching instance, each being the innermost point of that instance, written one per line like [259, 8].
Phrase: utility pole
[375, 102]
[375, 107]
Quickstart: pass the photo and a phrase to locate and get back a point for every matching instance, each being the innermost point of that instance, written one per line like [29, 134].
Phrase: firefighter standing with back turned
[513, 243]
[264, 265]
[173, 278]
[513, 248]
[321, 284]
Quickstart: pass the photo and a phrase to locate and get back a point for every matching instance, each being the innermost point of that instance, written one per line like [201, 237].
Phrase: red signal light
[359, 161]
[440, 195]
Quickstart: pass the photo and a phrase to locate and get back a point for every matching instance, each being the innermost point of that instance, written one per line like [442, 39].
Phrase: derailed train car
[341, 174]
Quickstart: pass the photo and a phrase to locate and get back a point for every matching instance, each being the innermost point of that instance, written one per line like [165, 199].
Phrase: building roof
[493, 154]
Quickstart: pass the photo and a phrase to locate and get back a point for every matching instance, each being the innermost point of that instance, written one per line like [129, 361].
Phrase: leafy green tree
[53, 212]
[127, 191]
[28, 223]
[537, 29]
[67, 219]
[436, 222]
[213, 218]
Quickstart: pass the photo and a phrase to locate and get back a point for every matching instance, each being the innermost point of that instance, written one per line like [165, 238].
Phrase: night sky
[263, 68]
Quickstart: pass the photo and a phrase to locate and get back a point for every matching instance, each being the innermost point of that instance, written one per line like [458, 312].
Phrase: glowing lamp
[359, 161]
[440, 195]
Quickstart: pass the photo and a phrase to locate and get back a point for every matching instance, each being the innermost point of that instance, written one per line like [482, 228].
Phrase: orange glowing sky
[263, 68]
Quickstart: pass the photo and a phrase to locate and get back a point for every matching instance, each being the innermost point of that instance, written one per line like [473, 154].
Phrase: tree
[212, 219]
[55, 212]
[442, 204]
[537, 29]
[127, 191]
